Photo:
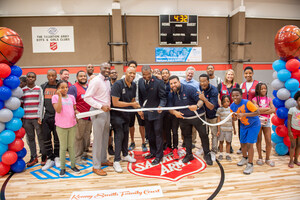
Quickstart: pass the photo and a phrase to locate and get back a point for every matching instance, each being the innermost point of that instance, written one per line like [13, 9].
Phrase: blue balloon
[18, 166]
[292, 84]
[281, 149]
[285, 122]
[278, 65]
[284, 75]
[294, 92]
[278, 103]
[1, 104]
[12, 82]
[275, 93]
[5, 93]
[276, 139]
[14, 124]
[18, 113]
[282, 113]
[16, 71]
[274, 128]
[7, 136]
[21, 154]
[3, 148]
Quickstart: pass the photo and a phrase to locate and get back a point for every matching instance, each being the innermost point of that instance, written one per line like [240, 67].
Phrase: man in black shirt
[123, 94]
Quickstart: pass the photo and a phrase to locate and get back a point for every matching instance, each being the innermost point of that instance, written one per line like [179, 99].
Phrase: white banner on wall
[47, 39]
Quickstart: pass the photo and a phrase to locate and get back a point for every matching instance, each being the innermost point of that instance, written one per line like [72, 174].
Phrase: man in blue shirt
[182, 95]
[209, 95]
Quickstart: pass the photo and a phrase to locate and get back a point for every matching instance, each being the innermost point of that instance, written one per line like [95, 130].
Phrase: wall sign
[178, 54]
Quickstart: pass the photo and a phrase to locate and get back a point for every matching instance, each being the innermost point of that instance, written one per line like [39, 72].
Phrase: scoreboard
[178, 29]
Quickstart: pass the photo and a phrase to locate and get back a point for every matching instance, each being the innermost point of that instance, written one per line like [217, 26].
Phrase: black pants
[121, 132]
[186, 126]
[170, 130]
[48, 126]
[154, 131]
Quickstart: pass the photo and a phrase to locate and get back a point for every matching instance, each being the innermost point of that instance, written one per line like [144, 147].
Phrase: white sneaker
[242, 162]
[118, 167]
[48, 165]
[249, 169]
[57, 162]
[213, 156]
[130, 159]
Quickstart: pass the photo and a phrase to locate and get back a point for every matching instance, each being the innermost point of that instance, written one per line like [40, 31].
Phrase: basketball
[287, 42]
[11, 46]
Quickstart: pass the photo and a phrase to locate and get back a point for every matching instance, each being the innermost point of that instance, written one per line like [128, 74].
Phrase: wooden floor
[279, 182]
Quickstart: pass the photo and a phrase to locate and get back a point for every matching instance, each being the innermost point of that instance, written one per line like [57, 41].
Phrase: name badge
[224, 91]
[123, 91]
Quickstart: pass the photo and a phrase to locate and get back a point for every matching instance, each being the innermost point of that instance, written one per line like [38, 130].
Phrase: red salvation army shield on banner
[53, 46]
[168, 169]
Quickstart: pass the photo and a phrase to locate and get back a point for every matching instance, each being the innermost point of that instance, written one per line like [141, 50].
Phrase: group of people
[50, 111]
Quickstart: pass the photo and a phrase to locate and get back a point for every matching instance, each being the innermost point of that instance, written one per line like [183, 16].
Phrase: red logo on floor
[169, 169]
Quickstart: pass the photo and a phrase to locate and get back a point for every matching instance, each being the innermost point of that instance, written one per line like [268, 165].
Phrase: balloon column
[12, 149]
[285, 83]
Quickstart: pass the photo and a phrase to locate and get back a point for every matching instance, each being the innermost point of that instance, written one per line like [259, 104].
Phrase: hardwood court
[279, 182]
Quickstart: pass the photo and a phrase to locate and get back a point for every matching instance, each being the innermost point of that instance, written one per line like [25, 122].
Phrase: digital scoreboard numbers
[178, 30]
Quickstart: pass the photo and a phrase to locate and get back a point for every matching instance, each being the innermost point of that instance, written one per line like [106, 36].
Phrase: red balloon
[4, 70]
[4, 169]
[277, 121]
[296, 75]
[292, 65]
[287, 42]
[281, 131]
[11, 46]
[1, 82]
[9, 157]
[20, 133]
[16, 145]
[287, 141]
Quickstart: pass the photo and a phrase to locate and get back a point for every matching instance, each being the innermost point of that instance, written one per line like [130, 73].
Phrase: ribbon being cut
[96, 112]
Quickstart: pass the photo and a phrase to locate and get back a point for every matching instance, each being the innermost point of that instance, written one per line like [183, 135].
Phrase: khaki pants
[84, 129]
[213, 132]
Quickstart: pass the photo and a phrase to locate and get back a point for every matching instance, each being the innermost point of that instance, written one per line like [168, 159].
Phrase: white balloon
[12, 103]
[283, 94]
[277, 84]
[2, 126]
[275, 75]
[18, 92]
[291, 102]
[5, 115]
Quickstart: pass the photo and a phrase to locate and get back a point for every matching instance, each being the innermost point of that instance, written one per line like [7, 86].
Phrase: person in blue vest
[84, 126]
[183, 95]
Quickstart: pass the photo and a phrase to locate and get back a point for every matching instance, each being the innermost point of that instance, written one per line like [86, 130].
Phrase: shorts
[268, 124]
[227, 135]
[249, 135]
[296, 133]
[132, 119]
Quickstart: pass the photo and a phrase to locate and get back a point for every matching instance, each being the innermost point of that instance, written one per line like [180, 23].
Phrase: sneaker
[44, 159]
[81, 162]
[62, 173]
[144, 147]
[271, 163]
[260, 162]
[213, 156]
[32, 161]
[75, 170]
[57, 162]
[242, 162]
[117, 167]
[132, 146]
[49, 163]
[208, 159]
[175, 154]
[111, 150]
[167, 151]
[130, 159]
[220, 157]
[188, 158]
[239, 151]
[249, 169]
[228, 158]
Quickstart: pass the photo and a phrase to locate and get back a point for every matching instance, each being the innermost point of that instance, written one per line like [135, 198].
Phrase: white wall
[281, 9]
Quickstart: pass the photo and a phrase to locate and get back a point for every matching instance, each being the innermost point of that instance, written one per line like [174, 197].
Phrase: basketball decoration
[287, 42]
[11, 132]
[11, 46]
[287, 46]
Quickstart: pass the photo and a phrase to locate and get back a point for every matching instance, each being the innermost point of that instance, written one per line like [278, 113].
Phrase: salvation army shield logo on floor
[168, 169]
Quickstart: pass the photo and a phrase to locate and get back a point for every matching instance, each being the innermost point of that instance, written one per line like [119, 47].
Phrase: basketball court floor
[193, 180]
